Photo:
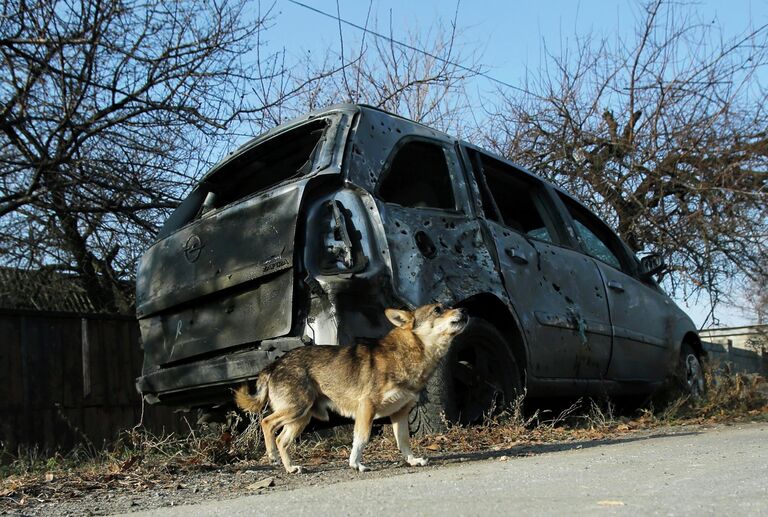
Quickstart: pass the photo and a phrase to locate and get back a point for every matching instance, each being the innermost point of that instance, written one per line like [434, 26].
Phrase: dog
[362, 382]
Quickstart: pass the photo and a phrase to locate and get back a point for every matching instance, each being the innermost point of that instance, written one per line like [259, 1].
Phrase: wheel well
[494, 311]
[694, 342]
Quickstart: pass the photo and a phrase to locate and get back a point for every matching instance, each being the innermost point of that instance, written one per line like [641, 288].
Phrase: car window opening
[286, 156]
[595, 238]
[418, 177]
[515, 199]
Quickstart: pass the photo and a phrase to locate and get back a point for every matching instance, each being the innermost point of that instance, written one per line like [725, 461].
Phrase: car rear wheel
[479, 375]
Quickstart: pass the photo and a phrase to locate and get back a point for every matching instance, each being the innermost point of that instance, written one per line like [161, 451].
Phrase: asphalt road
[720, 471]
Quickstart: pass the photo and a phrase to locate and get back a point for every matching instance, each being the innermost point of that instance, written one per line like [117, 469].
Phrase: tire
[690, 373]
[477, 376]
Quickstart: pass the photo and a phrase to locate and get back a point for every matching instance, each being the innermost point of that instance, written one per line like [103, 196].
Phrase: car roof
[352, 108]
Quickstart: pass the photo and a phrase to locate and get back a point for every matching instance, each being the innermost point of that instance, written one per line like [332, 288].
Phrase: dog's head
[434, 324]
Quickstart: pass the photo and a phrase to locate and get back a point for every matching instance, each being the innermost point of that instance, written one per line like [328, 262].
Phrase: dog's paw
[359, 467]
[295, 469]
[417, 462]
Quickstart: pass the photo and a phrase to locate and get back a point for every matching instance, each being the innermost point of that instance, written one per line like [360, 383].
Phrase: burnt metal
[315, 259]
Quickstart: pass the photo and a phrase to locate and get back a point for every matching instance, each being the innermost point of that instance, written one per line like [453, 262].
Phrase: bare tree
[423, 77]
[664, 134]
[109, 108]
[752, 299]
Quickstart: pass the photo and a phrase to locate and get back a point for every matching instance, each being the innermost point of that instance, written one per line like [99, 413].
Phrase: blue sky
[509, 36]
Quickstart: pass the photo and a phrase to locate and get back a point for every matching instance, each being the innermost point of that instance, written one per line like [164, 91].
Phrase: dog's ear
[399, 318]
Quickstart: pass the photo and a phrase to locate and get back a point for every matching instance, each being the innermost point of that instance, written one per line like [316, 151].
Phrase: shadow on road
[546, 448]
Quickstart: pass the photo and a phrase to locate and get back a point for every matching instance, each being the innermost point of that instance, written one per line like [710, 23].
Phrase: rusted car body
[307, 233]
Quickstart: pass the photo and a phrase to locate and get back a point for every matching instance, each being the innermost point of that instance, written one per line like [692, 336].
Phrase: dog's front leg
[363, 423]
[402, 437]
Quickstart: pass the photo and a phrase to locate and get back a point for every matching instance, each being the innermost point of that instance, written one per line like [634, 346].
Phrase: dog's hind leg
[268, 427]
[363, 422]
[291, 430]
[402, 437]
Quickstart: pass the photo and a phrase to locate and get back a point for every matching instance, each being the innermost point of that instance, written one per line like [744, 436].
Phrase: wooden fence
[68, 378]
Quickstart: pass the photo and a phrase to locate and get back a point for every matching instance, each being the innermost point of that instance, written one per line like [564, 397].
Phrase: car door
[557, 292]
[436, 248]
[640, 313]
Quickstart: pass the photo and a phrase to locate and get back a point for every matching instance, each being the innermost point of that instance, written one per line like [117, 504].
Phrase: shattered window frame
[452, 166]
[247, 164]
[199, 203]
[581, 216]
[533, 186]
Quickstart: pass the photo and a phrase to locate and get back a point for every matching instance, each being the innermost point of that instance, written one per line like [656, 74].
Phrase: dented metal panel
[437, 256]
[434, 255]
[235, 264]
[560, 299]
[253, 312]
[221, 250]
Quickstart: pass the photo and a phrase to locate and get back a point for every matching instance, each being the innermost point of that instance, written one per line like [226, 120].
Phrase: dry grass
[140, 461]
[729, 395]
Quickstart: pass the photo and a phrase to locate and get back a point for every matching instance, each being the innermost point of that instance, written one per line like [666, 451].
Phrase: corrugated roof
[39, 290]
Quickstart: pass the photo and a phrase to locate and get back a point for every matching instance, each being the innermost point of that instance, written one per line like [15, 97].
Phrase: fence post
[86, 357]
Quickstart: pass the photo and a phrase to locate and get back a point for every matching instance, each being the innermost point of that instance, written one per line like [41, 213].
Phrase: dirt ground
[121, 494]
[145, 472]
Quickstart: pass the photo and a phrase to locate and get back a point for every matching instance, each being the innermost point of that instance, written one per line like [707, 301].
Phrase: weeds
[141, 461]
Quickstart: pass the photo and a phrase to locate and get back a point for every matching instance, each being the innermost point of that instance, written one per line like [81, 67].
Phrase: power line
[410, 47]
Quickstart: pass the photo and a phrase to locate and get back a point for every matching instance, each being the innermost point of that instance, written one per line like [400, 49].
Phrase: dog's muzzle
[463, 319]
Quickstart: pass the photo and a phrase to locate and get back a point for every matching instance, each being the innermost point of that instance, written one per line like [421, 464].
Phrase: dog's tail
[254, 403]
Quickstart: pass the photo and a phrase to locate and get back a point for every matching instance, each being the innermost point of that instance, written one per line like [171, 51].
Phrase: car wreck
[307, 233]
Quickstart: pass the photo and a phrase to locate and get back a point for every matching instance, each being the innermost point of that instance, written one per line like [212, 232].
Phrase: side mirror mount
[650, 265]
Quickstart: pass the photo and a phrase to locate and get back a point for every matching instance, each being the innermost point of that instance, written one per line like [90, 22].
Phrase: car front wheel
[691, 372]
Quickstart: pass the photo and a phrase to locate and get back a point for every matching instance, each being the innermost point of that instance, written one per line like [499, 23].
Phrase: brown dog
[363, 382]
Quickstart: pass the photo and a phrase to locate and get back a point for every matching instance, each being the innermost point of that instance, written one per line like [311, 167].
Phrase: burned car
[307, 233]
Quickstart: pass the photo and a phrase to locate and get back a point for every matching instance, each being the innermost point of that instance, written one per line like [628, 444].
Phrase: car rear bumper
[182, 383]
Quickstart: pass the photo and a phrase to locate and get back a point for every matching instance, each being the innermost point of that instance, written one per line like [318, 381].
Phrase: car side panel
[560, 300]
[437, 256]
[642, 320]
